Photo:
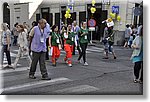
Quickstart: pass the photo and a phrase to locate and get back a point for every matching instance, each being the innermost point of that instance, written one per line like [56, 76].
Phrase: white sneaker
[28, 68]
[66, 62]
[85, 64]
[70, 65]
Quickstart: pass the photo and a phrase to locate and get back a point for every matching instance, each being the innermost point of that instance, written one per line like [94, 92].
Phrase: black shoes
[46, 78]
[105, 57]
[138, 81]
[54, 65]
[43, 78]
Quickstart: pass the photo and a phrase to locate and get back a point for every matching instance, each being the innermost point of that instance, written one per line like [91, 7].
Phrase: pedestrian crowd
[42, 40]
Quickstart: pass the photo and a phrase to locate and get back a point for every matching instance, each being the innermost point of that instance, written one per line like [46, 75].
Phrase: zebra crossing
[37, 84]
[90, 50]
[80, 89]
[76, 89]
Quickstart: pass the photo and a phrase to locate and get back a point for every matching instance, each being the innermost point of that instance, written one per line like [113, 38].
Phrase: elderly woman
[6, 42]
[23, 46]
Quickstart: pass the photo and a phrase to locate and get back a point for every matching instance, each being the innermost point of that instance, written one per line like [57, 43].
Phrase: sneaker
[28, 68]
[135, 81]
[66, 62]
[70, 65]
[110, 52]
[46, 78]
[32, 77]
[54, 64]
[85, 64]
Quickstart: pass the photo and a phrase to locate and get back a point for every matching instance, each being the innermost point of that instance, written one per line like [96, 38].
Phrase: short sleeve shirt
[6, 34]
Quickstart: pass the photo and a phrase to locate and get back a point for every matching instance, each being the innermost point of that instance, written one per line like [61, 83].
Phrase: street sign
[91, 23]
[115, 9]
[138, 11]
[91, 28]
[70, 7]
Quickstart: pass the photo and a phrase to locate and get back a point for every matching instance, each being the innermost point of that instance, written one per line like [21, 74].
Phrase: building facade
[53, 11]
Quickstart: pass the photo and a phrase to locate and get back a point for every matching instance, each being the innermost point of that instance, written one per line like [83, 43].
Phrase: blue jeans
[110, 48]
[15, 40]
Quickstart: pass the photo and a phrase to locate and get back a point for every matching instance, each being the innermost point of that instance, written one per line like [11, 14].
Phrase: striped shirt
[4, 37]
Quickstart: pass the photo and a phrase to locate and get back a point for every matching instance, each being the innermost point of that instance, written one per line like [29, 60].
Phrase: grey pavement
[102, 76]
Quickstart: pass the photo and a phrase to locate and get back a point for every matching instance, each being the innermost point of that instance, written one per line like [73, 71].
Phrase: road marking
[37, 84]
[15, 50]
[5, 64]
[92, 50]
[13, 54]
[77, 90]
[96, 48]
[12, 70]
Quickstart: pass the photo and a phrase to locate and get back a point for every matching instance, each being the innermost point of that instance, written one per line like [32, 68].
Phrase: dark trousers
[7, 54]
[137, 67]
[38, 56]
[62, 39]
[47, 44]
[15, 40]
[83, 53]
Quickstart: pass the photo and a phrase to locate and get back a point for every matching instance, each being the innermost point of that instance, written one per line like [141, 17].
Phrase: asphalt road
[102, 76]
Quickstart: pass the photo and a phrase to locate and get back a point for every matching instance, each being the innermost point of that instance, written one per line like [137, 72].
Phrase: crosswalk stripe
[94, 50]
[13, 54]
[15, 50]
[37, 84]
[12, 70]
[89, 50]
[77, 90]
